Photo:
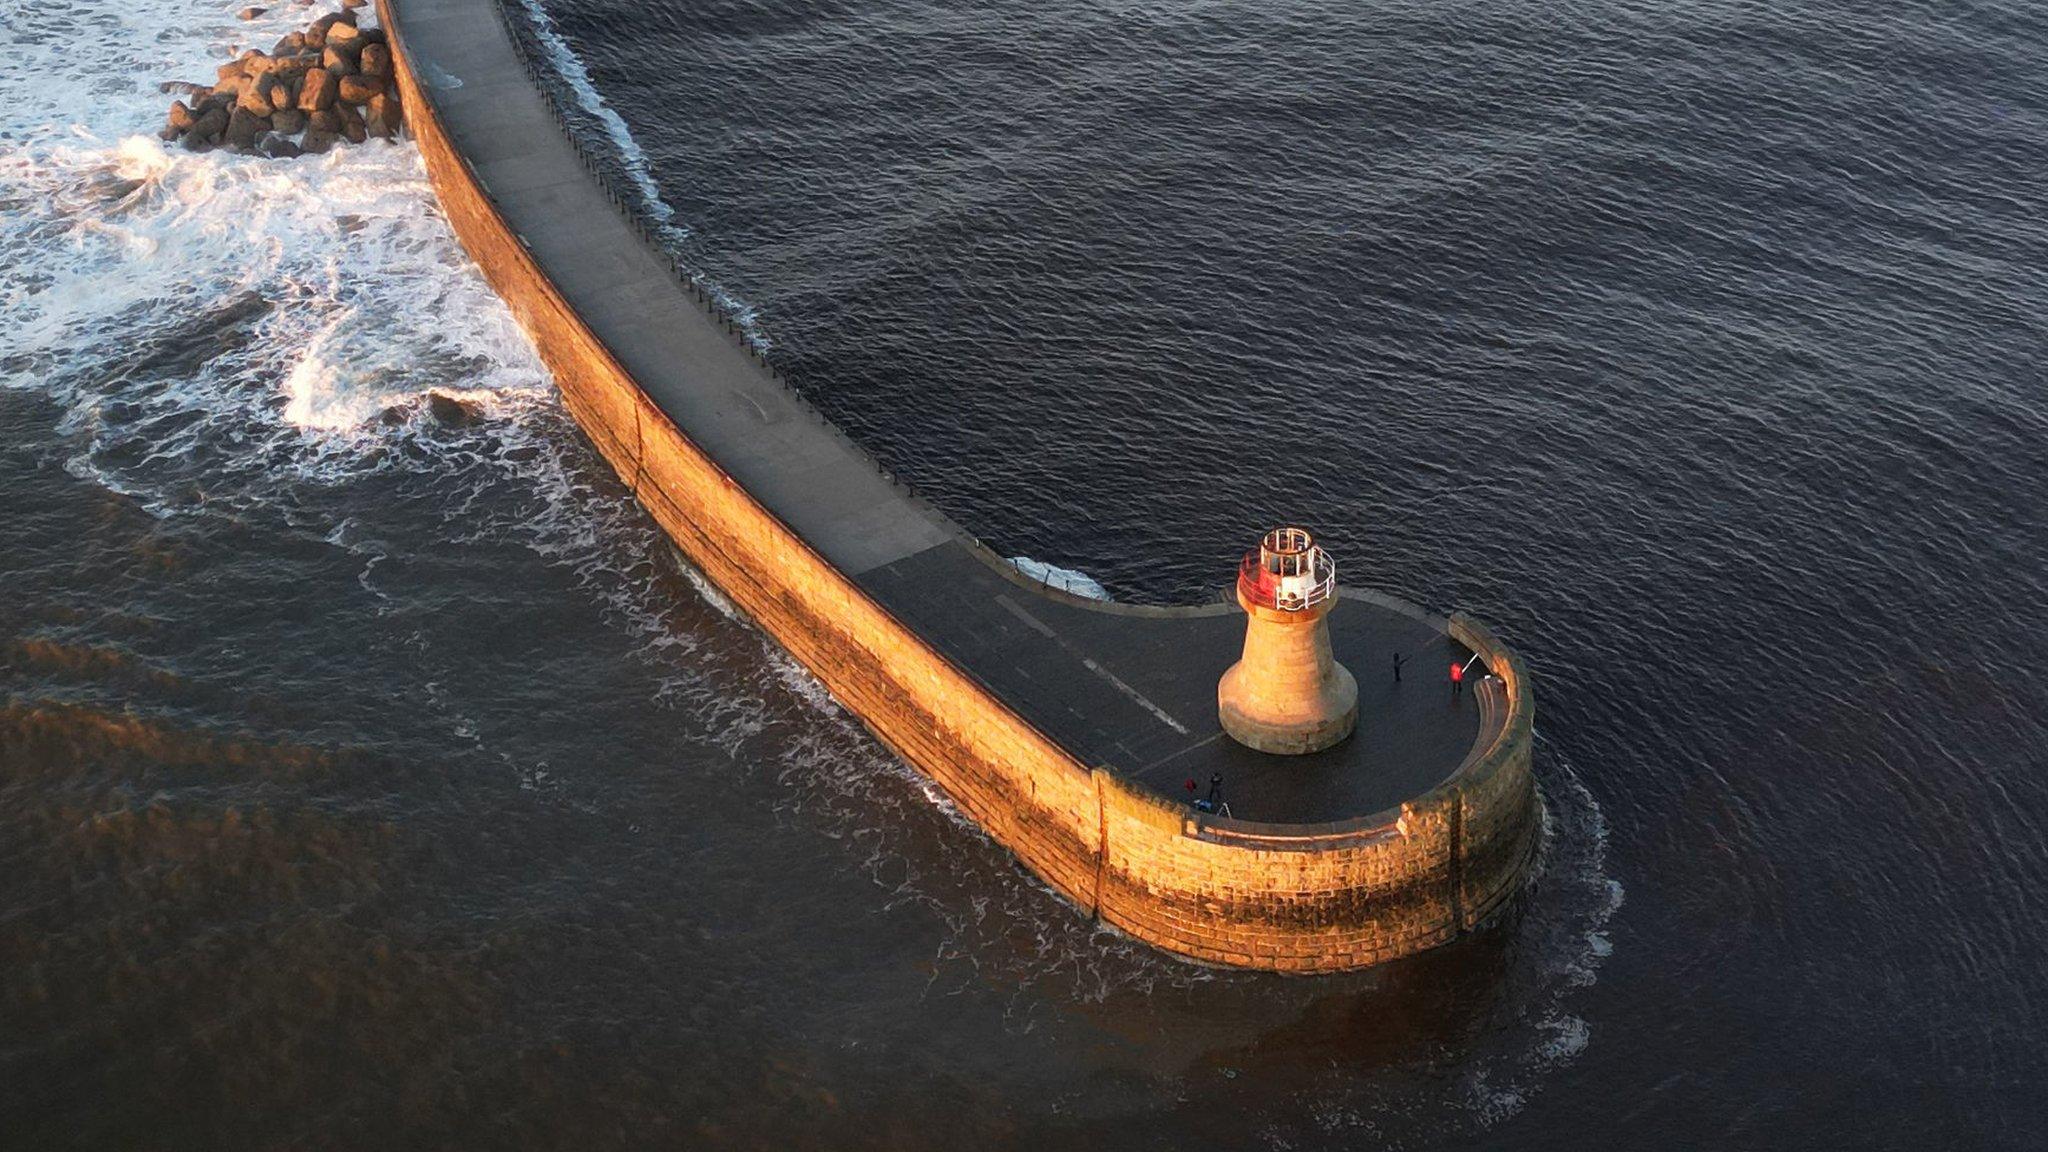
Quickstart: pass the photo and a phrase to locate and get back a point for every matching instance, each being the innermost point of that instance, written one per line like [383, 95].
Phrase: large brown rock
[337, 61]
[291, 44]
[206, 129]
[316, 140]
[326, 120]
[181, 117]
[360, 89]
[319, 91]
[255, 97]
[381, 118]
[316, 34]
[277, 147]
[289, 121]
[352, 127]
[228, 77]
[375, 61]
[344, 36]
[251, 13]
[244, 127]
[293, 65]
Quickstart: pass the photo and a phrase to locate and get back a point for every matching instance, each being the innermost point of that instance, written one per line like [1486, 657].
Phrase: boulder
[343, 35]
[183, 88]
[316, 141]
[319, 91]
[352, 127]
[181, 117]
[326, 120]
[244, 127]
[381, 118]
[316, 33]
[449, 411]
[206, 128]
[293, 65]
[337, 61]
[375, 61]
[372, 36]
[291, 45]
[255, 97]
[288, 120]
[277, 147]
[251, 13]
[360, 89]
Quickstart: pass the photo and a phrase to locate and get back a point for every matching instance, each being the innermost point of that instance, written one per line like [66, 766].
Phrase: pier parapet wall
[1288, 897]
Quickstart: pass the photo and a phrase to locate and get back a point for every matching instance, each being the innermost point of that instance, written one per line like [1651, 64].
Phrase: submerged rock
[449, 411]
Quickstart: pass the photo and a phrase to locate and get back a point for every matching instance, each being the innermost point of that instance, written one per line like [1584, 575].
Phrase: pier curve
[1064, 727]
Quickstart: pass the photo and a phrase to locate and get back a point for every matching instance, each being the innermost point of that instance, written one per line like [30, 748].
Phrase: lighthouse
[1287, 694]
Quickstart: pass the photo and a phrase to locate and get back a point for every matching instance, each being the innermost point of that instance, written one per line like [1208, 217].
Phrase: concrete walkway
[1134, 692]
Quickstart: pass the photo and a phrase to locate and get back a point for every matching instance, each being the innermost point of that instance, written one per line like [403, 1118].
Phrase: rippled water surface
[370, 778]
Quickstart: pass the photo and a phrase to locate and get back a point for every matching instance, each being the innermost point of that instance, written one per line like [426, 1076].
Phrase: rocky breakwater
[329, 83]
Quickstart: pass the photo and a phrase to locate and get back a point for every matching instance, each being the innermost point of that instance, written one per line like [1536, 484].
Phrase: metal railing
[542, 78]
[1265, 589]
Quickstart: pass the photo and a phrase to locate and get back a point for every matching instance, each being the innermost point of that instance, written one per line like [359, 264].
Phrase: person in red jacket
[1457, 679]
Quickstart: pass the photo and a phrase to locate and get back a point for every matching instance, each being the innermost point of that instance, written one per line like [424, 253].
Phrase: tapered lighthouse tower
[1287, 695]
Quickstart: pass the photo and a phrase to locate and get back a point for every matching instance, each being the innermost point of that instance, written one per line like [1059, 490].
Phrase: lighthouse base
[1328, 721]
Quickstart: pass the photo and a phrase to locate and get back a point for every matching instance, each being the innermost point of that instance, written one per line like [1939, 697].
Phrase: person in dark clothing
[1398, 661]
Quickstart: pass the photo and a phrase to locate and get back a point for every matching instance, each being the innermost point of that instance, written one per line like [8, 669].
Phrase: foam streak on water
[569, 70]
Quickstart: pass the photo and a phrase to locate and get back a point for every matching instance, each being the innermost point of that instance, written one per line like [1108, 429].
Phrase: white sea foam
[189, 302]
[1572, 899]
[569, 67]
[1065, 579]
[632, 159]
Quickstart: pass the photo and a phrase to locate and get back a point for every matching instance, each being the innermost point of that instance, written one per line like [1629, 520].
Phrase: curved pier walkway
[1129, 689]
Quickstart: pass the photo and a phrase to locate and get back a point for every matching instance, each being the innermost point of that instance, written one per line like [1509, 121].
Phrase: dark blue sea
[372, 779]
